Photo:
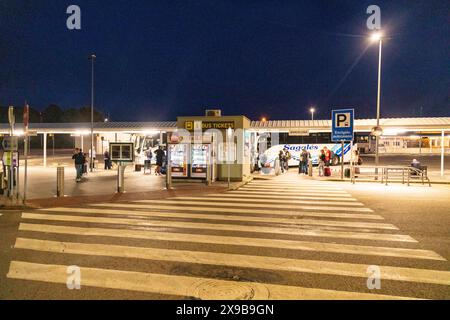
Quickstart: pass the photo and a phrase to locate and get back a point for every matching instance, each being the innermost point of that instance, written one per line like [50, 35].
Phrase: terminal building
[400, 135]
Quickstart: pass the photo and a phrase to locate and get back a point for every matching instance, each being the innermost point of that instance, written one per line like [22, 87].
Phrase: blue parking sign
[342, 125]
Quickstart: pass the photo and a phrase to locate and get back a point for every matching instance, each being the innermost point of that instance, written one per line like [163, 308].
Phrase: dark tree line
[53, 113]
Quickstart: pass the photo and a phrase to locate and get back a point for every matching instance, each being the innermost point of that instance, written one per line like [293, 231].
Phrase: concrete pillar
[442, 152]
[45, 149]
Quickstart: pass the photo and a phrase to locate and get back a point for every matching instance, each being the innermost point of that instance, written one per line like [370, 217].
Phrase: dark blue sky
[160, 59]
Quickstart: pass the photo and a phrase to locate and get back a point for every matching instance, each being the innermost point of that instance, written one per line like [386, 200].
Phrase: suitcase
[327, 172]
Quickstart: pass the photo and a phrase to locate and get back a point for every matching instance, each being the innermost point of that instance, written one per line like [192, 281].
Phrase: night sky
[160, 59]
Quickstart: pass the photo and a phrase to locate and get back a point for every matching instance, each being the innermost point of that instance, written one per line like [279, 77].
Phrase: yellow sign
[220, 125]
[189, 125]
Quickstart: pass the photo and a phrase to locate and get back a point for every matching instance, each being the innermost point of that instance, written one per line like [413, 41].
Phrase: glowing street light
[312, 110]
[263, 119]
[375, 37]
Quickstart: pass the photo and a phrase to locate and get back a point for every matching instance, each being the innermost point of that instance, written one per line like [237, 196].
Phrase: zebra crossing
[284, 238]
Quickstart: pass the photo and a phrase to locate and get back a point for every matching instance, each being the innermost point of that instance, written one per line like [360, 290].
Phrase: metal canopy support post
[45, 149]
[442, 152]
[25, 151]
[168, 168]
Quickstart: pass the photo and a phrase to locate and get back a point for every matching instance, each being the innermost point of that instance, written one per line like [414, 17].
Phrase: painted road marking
[280, 197]
[243, 218]
[276, 203]
[217, 208]
[175, 285]
[282, 193]
[291, 190]
[294, 186]
[237, 260]
[236, 241]
[223, 227]
[225, 203]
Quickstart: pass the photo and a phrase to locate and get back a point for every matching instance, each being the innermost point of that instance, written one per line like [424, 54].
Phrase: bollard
[310, 168]
[208, 175]
[120, 178]
[60, 182]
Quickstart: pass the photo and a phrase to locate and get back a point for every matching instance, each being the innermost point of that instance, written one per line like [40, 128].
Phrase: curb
[411, 183]
[242, 183]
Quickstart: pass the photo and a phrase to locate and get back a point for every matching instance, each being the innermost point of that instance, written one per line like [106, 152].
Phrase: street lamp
[91, 166]
[312, 110]
[378, 37]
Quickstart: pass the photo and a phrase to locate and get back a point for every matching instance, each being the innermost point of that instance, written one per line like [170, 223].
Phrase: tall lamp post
[377, 131]
[312, 110]
[91, 156]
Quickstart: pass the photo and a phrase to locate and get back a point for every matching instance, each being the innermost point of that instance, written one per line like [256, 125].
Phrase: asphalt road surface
[283, 238]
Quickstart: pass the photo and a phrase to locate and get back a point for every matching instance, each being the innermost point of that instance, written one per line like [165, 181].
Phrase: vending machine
[179, 160]
[200, 160]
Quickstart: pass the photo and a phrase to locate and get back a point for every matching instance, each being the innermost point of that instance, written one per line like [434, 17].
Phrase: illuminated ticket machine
[179, 159]
[200, 159]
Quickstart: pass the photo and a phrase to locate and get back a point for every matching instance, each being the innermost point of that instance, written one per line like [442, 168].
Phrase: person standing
[85, 164]
[287, 156]
[148, 161]
[327, 156]
[159, 160]
[281, 157]
[107, 159]
[79, 161]
[321, 162]
[94, 154]
[304, 158]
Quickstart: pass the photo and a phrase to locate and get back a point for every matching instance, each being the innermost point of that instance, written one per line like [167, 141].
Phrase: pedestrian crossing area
[284, 238]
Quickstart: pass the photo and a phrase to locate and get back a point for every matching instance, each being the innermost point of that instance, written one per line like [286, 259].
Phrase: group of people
[324, 160]
[160, 157]
[284, 156]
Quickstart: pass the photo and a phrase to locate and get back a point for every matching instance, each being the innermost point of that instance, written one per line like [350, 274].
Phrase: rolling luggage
[327, 172]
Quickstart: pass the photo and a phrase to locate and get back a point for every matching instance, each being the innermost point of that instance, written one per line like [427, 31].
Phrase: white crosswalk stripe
[271, 226]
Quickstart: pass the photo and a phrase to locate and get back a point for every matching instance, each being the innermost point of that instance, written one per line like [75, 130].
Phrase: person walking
[107, 159]
[159, 160]
[79, 161]
[321, 162]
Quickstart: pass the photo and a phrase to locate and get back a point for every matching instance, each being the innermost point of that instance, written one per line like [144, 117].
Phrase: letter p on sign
[343, 120]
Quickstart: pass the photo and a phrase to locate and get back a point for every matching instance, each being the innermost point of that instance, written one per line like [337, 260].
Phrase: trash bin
[347, 172]
[137, 167]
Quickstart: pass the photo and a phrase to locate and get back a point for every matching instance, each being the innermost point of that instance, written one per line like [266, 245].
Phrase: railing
[386, 174]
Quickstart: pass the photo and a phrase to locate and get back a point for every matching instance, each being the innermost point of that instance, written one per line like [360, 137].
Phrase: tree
[52, 114]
